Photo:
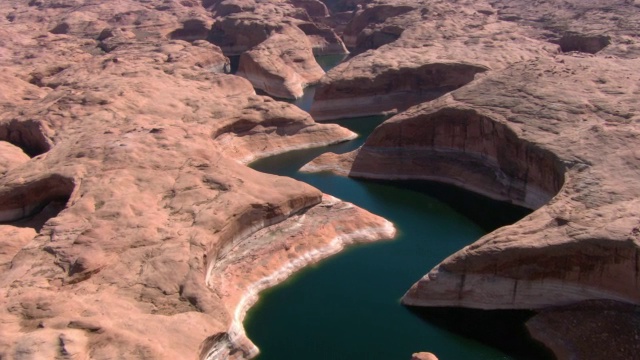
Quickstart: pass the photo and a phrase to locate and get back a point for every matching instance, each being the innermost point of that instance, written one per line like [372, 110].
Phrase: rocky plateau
[128, 216]
[131, 226]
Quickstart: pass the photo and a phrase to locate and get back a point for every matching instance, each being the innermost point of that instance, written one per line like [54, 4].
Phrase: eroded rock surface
[306, 237]
[535, 149]
[551, 123]
[123, 151]
[580, 245]
[604, 27]
[282, 65]
[276, 42]
[440, 49]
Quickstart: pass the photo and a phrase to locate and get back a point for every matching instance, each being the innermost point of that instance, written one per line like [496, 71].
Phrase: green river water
[348, 306]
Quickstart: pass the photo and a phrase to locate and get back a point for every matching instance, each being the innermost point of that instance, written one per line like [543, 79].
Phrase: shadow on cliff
[502, 329]
[27, 135]
[32, 204]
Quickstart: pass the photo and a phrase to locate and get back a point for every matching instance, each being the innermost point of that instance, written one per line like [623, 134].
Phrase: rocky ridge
[440, 48]
[124, 184]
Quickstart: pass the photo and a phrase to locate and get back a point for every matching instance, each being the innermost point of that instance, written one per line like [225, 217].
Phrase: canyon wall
[530, 126]
[435, 49]
[559, 147]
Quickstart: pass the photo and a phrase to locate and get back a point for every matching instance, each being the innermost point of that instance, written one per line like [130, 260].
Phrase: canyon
[131, 225]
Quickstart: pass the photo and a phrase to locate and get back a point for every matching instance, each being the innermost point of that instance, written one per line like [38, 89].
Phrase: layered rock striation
[123, 186]
[580, 245]
[554, 133]
[547, 134]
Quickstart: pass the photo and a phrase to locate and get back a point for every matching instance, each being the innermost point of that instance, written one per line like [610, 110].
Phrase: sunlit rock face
[124, 191]
[123, 182]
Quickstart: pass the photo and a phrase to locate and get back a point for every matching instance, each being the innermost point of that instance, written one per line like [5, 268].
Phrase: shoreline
[237, 337]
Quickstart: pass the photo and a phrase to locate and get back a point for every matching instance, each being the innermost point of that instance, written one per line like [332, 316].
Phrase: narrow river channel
[348, 306]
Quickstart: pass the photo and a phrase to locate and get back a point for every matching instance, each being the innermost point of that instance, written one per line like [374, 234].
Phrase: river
[348, 306]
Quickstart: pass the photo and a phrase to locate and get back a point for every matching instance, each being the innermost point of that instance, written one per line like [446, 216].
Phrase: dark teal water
[347, 307]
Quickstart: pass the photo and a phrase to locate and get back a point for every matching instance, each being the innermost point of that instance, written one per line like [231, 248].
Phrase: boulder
[423, 356]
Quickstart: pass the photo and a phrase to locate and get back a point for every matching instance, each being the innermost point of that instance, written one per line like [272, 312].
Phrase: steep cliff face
[460, 146]
[418, 53]
[350, 91]
[374, 26]
[582, 26]
[580, 243]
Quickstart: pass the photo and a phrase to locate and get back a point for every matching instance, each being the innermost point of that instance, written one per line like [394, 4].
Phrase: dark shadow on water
[502, 329]
[489, 214]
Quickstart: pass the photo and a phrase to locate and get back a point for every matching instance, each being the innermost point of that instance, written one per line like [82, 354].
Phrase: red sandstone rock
[593, 236]
[123, 182]
[585, 26]
[440, 50]
[282, 65]
[276, 42]
[423, 356]
[579, 244]
[554, 133]
[377, 25]
[10, 157]
[307, 237]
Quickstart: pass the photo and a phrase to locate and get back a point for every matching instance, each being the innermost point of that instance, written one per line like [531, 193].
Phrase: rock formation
[542, 155]
[127, 212]
[549, 131]
[436, 52]
[282, 65]
[423, 356]
[276, 42]
[536, 150]
[126, 207]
